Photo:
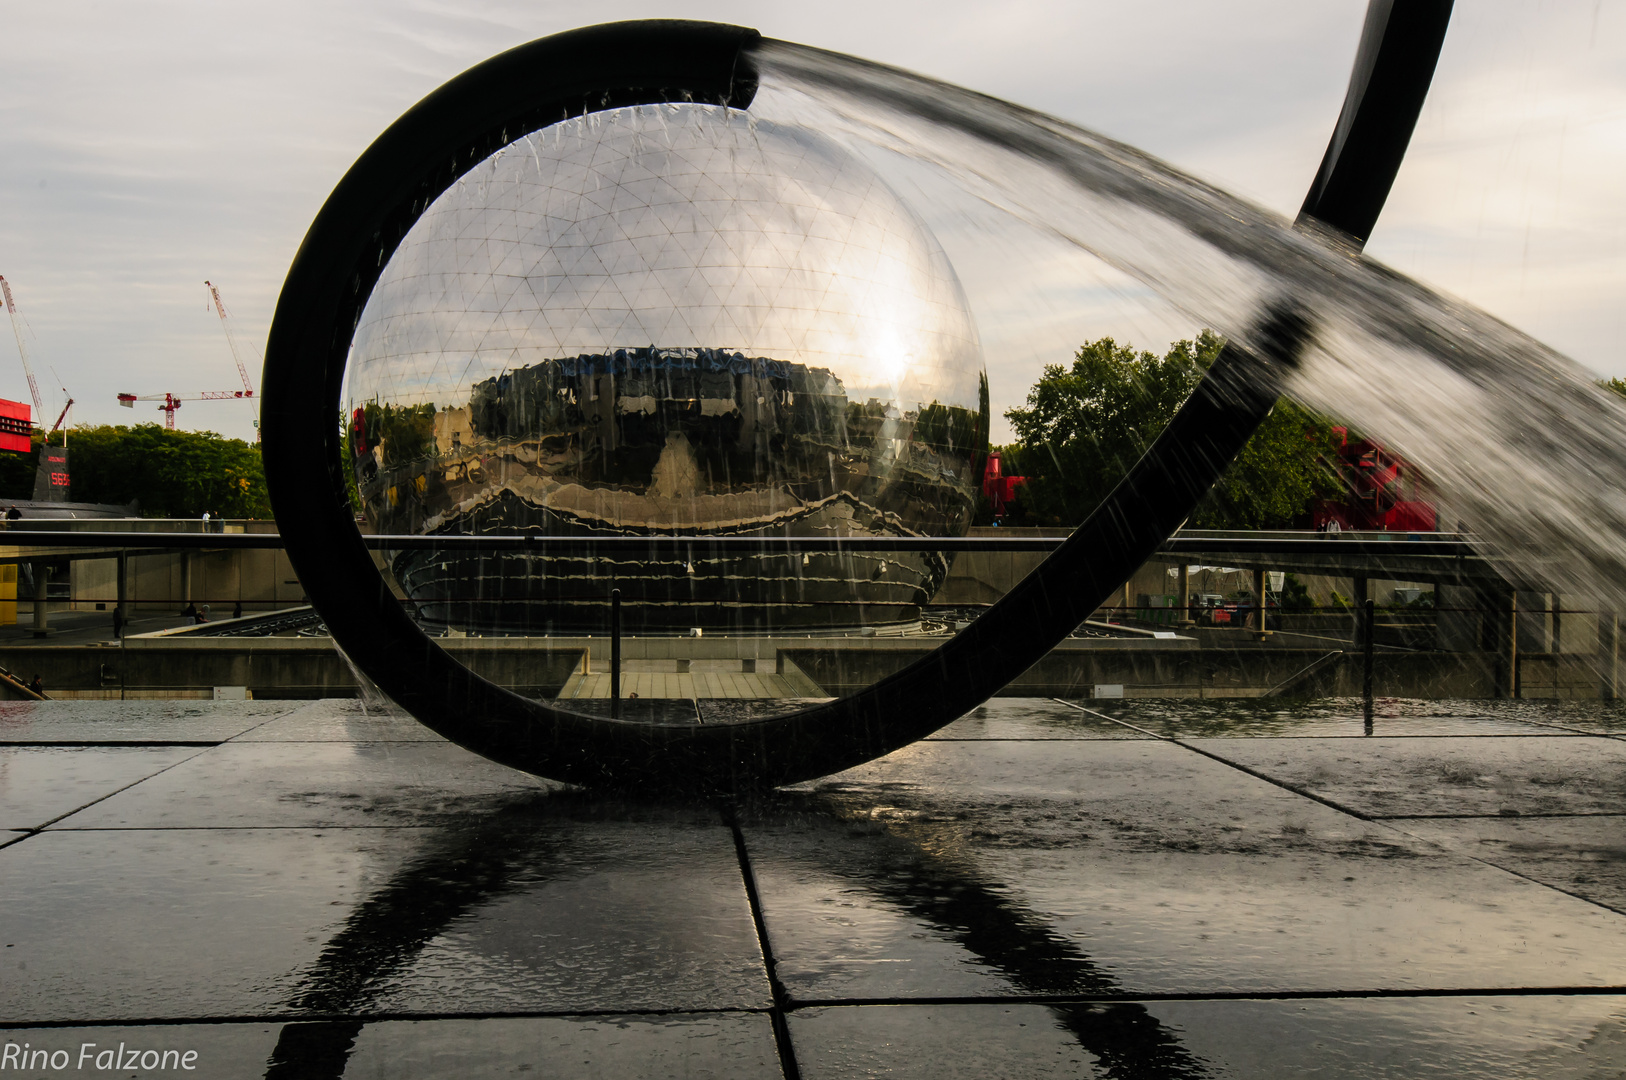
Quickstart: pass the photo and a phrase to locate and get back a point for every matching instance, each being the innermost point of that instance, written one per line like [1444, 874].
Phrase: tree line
[1084, 425]
[178, 474]
[1081, 428]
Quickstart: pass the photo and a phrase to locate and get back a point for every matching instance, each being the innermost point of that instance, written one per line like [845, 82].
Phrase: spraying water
[1522, 445]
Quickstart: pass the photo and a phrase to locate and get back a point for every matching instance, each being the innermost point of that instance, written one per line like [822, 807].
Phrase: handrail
[1436, 544]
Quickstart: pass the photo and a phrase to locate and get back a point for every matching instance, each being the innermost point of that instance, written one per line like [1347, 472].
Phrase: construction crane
[236, 354]
[171, 402]
[22, 347]
[28, 368]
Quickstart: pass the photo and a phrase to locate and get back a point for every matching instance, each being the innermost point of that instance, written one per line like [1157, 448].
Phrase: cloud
[144, 148]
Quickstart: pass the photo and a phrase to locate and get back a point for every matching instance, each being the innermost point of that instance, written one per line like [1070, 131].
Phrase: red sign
[16, 426]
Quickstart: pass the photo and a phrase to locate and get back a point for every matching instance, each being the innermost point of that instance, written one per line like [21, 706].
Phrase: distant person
[206, 521]
[14, 514]
[237, 610]
[190, 611]
[37, 685]
[202, 616]
[118, 621]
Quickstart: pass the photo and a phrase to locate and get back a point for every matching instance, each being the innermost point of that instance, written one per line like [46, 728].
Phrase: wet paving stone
[1033, 718]
[722, 1045]
[1585, 856]
[742, 710]
[1243, 718]
[112, 722]
[39, 784]
[630, 1047]
[1591, 717]
[647, 710]
[228, 1051]
[248, 785]
[1516, 1037]
[1105, 868]
[401, 908]
[340, 720]
[550, 909]
[1444, 777]
[1534, 1037]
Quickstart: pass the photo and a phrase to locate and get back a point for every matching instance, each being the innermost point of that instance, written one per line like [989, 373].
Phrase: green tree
[1278, 476]
[170, 473]
[405, 432]
[1084, 426]
[347, 461]
[17, 472]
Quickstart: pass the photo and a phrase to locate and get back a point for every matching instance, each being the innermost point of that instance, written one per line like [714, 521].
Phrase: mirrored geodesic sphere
[668, 319]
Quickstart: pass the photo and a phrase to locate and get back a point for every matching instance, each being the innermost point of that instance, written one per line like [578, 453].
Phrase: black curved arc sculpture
[652, 62]
[1394, 65]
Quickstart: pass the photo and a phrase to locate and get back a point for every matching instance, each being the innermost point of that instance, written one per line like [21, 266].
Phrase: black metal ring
[331, 278]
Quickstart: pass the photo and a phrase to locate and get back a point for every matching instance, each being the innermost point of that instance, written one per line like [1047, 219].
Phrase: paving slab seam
[1396, 738]
[1377, 820]
[955, 738]
[269, 719]
[36, 830]
[52, 744]
[1284, 785]
[1112, 720]
[1595, 902]
[382, 1017]
[1572, 730]
[1218, 995]
[431, 826]
[781, 996]
[1512, 815]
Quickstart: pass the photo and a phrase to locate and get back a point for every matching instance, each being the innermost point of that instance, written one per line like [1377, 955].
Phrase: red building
[16, 426]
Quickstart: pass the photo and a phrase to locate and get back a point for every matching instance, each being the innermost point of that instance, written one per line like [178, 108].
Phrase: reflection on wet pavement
[1583, 855]
[1435, 777]
[1168, 871]
[1039, 891]
[1529, 1037]
[39, 784]
[1235, 718]
[340, 721]
[115, 722]
[324, 784]
[1034, 718]
[541, 907]
[632, 1046]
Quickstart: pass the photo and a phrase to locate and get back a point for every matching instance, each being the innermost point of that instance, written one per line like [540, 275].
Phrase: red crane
[22, 347]
[28, 368]
[171, 402]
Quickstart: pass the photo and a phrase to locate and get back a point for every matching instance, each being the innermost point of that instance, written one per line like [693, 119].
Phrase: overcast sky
[147, 146]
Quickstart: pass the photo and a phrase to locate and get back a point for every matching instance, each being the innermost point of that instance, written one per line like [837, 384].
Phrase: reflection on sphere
[668, 319]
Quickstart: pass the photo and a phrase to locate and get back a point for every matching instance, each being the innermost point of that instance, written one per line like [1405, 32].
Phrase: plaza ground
[1137, 888]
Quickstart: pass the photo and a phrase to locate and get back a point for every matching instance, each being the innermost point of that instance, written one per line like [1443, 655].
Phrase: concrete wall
[984, 577]
[261, 580]
[270, 667]
[1178, 669]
